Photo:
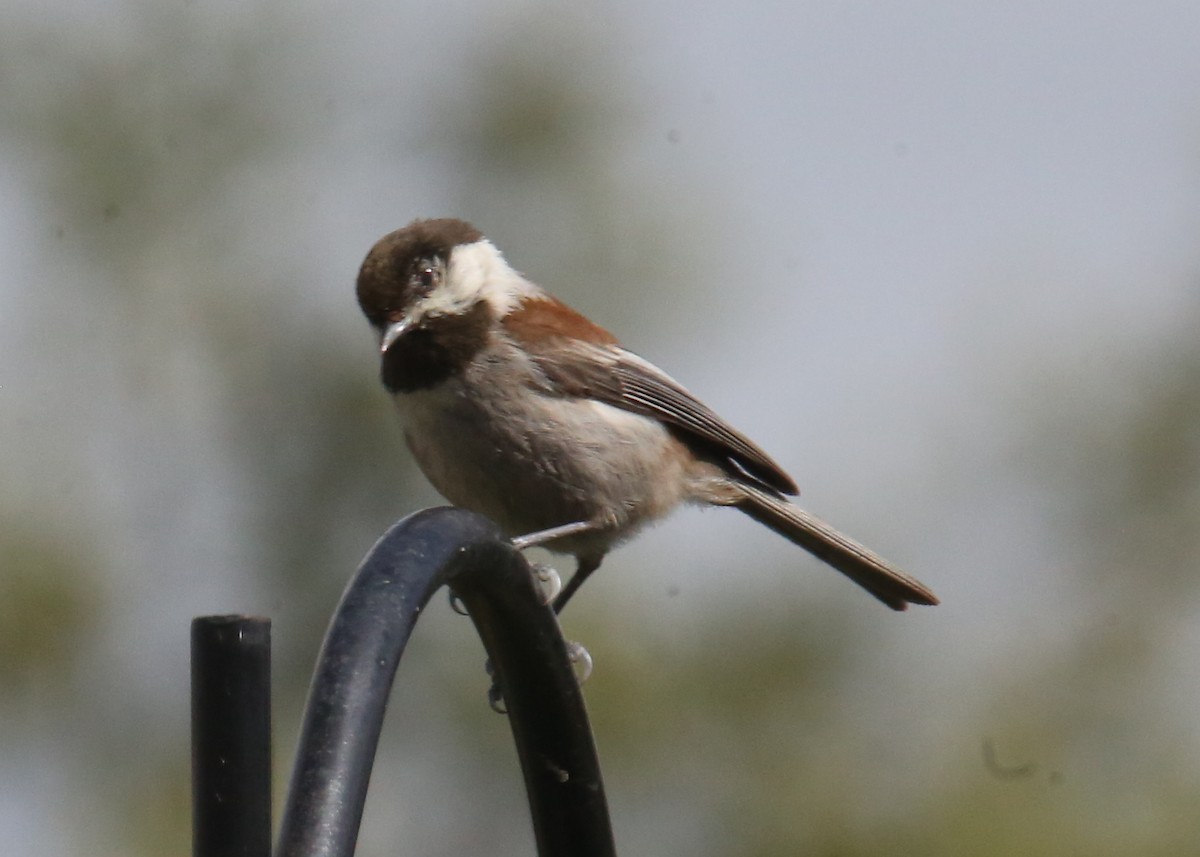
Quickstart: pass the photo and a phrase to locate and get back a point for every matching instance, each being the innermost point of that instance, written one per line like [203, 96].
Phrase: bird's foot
[548, 581]
[581, 660]
[495, 697]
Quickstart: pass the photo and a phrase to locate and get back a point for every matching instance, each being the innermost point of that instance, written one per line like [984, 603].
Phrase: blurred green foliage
[49, 603]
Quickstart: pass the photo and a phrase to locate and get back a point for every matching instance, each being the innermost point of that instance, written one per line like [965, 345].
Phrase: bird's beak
[393, 332]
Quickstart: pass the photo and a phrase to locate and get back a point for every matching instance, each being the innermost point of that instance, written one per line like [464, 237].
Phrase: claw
[456, 604]
[494, 697]
[496, 700]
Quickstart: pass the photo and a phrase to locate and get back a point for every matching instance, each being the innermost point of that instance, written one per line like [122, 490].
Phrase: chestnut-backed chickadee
[518, 407]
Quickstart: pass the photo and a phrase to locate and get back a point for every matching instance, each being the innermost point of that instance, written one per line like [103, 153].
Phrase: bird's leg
[542, 536]
[585, 566]
[579, 656]
[583, 569]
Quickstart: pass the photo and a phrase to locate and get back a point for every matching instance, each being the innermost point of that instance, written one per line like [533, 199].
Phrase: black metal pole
[358, 662]
[231, 736]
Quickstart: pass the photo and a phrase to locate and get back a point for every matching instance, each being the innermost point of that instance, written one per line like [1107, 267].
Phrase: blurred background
[940, 259]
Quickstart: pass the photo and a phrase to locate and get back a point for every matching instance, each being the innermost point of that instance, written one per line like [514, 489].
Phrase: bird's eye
[426, 276]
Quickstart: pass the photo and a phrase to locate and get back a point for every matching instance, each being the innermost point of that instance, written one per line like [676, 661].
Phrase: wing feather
[618, 377]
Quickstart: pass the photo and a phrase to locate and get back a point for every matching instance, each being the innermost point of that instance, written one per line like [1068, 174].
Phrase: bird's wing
[618, 377]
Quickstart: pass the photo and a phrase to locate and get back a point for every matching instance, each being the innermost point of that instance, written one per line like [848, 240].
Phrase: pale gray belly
[532, 462]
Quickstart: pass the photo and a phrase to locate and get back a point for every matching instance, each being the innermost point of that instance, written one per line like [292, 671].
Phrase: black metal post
[231, 736]
[358, 662]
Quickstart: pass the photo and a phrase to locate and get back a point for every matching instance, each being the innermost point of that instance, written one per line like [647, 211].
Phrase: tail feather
[869, 570]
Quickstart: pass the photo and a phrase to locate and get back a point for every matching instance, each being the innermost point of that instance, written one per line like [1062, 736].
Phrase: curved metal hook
[359, 658]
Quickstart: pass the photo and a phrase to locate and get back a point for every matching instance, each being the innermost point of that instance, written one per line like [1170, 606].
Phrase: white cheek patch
[476, 272]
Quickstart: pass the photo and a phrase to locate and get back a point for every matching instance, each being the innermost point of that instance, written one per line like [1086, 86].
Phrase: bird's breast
[532, 460]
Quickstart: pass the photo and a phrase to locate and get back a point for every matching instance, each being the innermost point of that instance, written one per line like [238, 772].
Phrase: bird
[520, 408]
